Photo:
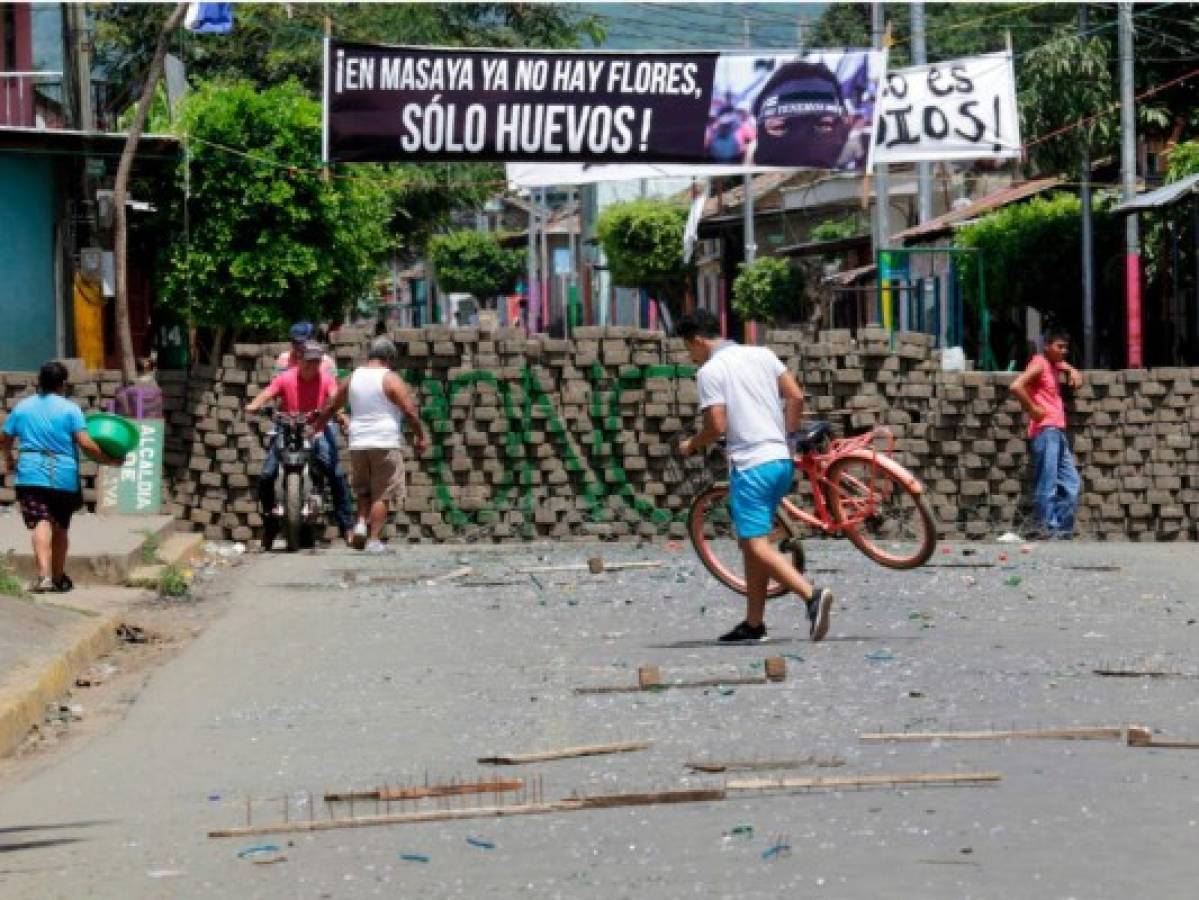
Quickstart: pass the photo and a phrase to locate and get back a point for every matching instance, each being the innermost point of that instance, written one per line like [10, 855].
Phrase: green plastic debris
[1013, 581]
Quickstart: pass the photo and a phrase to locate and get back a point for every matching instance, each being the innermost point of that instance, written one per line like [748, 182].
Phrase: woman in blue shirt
[49, 430]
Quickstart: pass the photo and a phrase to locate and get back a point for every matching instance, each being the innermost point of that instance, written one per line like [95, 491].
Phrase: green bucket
[115, 435]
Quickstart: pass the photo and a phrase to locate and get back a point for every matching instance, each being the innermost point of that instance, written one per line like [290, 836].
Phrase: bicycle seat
[812, 435]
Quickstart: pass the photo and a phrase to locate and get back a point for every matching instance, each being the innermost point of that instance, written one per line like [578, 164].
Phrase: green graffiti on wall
[515, 487]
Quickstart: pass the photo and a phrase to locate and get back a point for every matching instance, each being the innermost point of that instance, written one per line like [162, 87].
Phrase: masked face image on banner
[814, 111]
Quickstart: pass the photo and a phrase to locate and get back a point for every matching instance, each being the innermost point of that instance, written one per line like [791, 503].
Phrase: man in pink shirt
[1055, 478]
[304, 390]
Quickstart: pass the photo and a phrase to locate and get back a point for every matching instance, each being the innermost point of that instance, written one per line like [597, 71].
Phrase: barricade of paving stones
[535, 437]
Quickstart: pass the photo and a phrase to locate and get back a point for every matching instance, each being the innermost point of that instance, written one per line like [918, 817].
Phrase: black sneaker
[64, 584]
[820, 607]
[744, 634]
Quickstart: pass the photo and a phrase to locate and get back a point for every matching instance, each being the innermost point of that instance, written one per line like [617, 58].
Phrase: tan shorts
[377, 473]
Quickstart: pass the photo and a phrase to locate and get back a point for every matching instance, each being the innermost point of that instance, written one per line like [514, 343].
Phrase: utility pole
[531, 290]
[924, 171]
[1128, 175]
[882, 225]
[1088, 237]
[747, 181]
[546, 278]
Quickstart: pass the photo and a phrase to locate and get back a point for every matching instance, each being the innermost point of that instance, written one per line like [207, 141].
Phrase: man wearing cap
[380, 405]
[302, 390]
[300, 334]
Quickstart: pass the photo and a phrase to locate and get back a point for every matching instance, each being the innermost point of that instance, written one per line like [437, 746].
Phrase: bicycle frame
[815, 466]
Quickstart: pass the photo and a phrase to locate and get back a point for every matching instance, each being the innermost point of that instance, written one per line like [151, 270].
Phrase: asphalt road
[323, 674]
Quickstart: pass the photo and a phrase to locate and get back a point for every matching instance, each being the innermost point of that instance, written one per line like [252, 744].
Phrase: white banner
[535, 175]
[951, 110]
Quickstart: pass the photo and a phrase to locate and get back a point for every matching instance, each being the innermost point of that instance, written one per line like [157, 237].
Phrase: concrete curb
[24, 695]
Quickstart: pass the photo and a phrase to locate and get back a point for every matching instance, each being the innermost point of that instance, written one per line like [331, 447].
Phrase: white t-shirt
[746, 381]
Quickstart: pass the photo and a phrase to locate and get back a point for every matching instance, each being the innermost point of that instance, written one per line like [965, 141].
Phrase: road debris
[1102, 733]
[518, 759]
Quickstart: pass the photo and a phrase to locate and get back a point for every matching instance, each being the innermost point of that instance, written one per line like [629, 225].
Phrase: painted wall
[28, 306]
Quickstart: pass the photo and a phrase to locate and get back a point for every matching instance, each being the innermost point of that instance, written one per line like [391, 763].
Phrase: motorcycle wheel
[293, 511]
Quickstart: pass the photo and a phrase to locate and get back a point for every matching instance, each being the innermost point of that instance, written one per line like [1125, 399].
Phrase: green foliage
[273, 42]
[1031, 257]
[1060, 82]
[173, 583]
[10, 584]
[270, 242]
[150, 547]
[643, 242]
[1184, 161]
[834, 229]
[952, 29]
[475, 263]
[767, 290]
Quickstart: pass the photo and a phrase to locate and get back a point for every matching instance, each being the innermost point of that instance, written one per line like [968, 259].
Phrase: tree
[1030, 256]
[768, 290]
[120, 191]
[272, 42]
[1059, 83]
[643, 242]
[269, 241]
[475, 263]
[1184, 161]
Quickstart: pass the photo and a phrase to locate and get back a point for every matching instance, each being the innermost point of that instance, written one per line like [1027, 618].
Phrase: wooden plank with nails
[435, 790]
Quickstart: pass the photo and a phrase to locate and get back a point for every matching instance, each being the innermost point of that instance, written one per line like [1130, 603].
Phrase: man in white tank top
[380, 405]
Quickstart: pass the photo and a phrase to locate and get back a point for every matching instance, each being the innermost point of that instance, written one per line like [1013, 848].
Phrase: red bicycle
[854, 490]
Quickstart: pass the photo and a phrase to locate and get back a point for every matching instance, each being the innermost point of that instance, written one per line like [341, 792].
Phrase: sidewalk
[104, 549]
[45, 643]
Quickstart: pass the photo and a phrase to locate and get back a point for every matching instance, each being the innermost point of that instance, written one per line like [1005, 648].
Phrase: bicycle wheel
[714, 537]
[880, 514]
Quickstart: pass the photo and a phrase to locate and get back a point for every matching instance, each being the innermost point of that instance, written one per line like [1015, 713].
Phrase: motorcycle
[301, 510]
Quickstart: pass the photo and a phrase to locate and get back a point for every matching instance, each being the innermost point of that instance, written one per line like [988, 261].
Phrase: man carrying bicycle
[742, 393]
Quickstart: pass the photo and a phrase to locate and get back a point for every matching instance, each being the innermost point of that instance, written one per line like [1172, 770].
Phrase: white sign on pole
[951, 110]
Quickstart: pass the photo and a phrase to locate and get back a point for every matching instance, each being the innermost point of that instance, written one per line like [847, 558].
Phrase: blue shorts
[755, 493]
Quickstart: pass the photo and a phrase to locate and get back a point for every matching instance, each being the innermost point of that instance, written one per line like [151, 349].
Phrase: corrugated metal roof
[835, 245]
[1163, 196]
[943, 224]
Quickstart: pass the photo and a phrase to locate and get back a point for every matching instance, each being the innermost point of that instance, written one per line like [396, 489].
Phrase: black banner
[411, 104]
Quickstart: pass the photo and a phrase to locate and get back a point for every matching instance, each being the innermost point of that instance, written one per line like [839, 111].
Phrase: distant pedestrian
[748, 396]
[380, 405]
[1055, 478]
[49, 431]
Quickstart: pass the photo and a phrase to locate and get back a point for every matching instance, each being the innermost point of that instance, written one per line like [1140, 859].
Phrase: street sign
[135, 489]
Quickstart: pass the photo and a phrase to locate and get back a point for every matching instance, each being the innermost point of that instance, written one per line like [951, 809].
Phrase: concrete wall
[535, 437]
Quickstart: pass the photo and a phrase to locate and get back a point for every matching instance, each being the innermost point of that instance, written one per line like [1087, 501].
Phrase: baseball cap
[313, 350]
[301, 331]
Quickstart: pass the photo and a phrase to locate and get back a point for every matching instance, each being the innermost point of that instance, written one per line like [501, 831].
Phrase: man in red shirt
[304, 390]
[1056, 482]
